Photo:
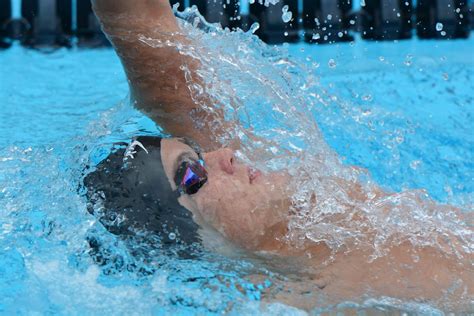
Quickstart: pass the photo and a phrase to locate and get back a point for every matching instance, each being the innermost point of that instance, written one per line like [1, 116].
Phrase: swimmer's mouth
[253, 174]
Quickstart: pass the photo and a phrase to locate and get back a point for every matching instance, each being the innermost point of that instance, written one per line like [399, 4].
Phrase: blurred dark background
[68, 23]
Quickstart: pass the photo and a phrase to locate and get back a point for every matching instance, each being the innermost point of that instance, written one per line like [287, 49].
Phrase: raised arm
[157, 82]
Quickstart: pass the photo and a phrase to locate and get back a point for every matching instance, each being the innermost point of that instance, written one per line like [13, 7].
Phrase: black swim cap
[129, 193]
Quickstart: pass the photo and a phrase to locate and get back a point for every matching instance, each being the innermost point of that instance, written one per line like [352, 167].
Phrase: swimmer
[248, 207]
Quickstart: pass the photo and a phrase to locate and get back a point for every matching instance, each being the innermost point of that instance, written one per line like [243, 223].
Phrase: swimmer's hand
[156, 74]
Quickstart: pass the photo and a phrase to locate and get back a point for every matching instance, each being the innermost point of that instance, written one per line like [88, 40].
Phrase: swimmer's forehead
[171, 150]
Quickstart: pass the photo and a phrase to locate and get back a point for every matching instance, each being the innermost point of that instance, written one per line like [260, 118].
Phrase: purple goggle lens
[191, 176]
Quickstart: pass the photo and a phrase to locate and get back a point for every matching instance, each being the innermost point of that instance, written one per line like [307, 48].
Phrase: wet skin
[253, 211]
[241, 203]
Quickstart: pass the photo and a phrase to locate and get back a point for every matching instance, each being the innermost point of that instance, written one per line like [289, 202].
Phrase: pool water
[404, 111]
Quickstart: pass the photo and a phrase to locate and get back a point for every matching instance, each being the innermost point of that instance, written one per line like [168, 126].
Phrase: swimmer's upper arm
[156, 77]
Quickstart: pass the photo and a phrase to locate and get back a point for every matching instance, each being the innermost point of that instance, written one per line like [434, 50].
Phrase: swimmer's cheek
[236, 226]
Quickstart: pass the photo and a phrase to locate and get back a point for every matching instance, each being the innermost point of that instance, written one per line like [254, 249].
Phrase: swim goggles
[191, 174]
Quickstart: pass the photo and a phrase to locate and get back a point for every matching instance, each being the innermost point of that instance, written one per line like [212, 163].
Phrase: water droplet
[316, 36]
[332, 63]
[414, 164]
[196, 22]
[255, 26]
[172, 236]
[408, 60]
[399, 139]
[366, 112]
[445, 76]
[287, 15]
[439, 26]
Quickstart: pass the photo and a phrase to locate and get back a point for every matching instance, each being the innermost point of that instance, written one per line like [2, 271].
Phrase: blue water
[404, 111]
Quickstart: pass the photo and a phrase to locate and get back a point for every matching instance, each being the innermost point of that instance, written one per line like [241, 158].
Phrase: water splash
[44, 225]
[286, 103]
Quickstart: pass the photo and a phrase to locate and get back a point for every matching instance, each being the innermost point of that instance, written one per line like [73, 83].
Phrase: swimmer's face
[237, 201]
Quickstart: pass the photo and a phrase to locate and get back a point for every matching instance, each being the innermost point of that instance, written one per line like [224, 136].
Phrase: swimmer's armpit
[156, 74]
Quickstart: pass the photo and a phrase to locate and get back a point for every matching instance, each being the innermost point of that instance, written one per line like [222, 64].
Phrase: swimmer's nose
[224, 159]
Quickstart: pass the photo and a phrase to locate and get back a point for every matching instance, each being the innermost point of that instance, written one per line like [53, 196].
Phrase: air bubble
[439, 26]
[445, 76]
[443, 33]
[381, 58]
[352, 22]
[332, 63]
[340, 34]
[362, 3]
[316, 36]
[172, 236]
